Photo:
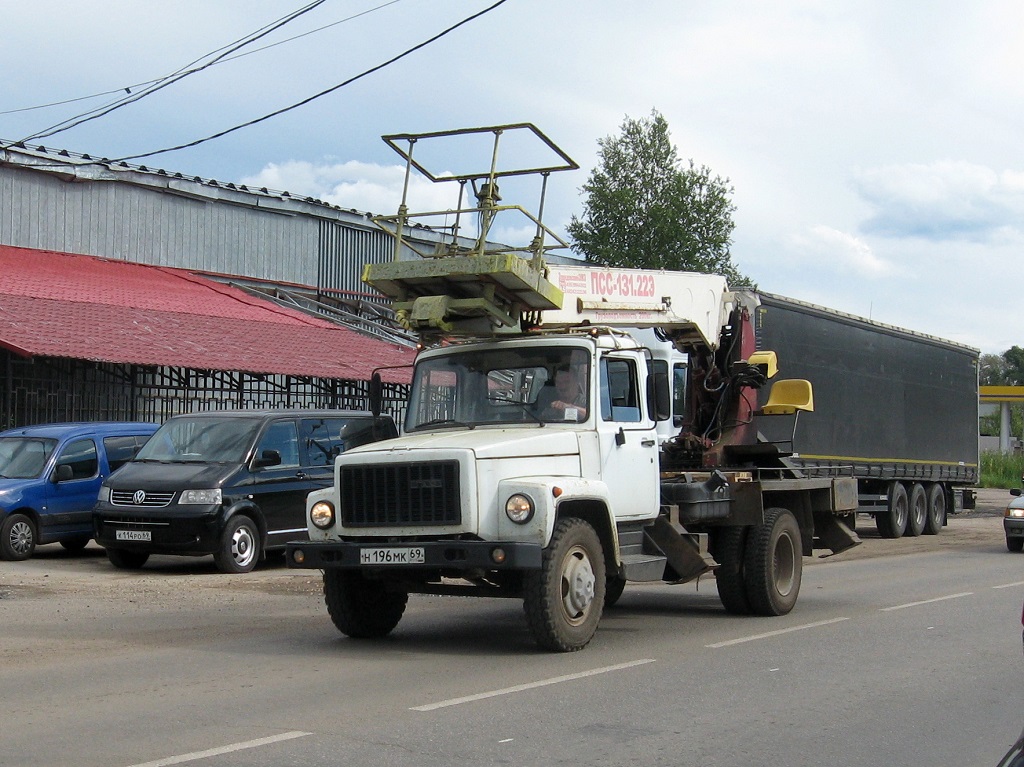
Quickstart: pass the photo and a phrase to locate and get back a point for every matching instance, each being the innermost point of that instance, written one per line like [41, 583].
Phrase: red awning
[82, 307]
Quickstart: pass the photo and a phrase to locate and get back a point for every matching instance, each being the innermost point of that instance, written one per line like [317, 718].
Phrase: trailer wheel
[918, 515]
[563, 600]
[893, 524]
[774, 563]
[730, 545]
[362, 608]
[936, 509]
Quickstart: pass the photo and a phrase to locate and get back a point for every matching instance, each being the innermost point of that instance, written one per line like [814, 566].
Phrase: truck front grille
[396, 495]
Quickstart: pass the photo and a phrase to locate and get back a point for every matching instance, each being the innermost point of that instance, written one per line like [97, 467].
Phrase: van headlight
[322, 514]
[1015, 512]
[519, 508]
[203, 497]
[104, 496]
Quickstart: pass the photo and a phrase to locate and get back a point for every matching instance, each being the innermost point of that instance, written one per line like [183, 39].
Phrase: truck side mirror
[375, 394]
[62, 473]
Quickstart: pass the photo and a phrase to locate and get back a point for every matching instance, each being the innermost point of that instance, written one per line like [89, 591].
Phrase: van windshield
[202, 439]
[24, 457]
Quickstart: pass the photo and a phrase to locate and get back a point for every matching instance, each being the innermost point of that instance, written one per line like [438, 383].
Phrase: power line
[317, 95]
[174, 77]
[128, 88]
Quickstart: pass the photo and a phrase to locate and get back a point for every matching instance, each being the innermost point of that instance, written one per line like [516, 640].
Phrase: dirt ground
[980, 527]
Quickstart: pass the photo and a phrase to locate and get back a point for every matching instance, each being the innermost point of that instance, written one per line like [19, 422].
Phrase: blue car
[50, 477]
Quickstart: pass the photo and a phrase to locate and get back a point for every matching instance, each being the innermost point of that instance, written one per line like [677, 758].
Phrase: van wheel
[74, 545]
[563, 600]
[773, 563]
[239, 546]
[1014, 544]
[17, 538]
[123, 559]
[362, 608]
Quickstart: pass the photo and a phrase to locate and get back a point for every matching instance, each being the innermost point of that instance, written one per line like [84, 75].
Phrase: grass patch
[1001, 470]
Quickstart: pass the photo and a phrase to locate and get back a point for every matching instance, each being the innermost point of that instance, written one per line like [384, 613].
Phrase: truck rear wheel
[729, 548]
[773, 563]
[893, 524]
[362, 608]
[918, 516]
[563, 600]
[936, 509]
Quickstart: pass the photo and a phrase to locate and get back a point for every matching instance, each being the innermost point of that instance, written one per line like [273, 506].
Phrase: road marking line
[927, 601]
[223, 749]
[768, 634]
[530, 685]
[1009, 585]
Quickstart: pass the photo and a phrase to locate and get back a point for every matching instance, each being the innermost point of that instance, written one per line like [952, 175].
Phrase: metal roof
[82, 307]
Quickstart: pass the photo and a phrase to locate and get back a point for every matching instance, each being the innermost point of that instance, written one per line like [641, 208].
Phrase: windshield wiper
[444, 422]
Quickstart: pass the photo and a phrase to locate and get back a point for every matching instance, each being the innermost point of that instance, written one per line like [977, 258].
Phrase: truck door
[629, 444]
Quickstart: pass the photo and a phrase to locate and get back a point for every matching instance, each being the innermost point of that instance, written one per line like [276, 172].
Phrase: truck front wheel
[774, 563]
[362, 608]
[564, 599]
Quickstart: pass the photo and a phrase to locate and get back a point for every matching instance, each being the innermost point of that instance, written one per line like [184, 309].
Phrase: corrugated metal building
[61, 201]
[298, 251]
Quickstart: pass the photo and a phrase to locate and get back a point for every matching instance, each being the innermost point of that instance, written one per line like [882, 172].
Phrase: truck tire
[362, 608]
[239, 546]
[563, 600]
[936, 509]
[729, 548]
[918, 515]
[773, 563]
[123, 559]
[614, 585]
[893, 523]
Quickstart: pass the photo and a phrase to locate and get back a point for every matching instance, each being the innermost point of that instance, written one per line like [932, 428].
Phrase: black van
[228, 483]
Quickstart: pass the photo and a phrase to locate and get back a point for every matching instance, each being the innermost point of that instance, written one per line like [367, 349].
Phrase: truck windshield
[24, 457]
[518, 384]
[203, 439]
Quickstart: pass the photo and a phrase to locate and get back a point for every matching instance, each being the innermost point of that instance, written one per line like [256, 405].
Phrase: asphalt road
[898, 653]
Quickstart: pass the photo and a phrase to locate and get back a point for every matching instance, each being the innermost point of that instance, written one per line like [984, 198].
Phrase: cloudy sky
[874, 147]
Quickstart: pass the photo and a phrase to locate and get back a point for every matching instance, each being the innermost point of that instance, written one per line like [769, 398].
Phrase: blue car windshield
[202, 439]
[24, 457]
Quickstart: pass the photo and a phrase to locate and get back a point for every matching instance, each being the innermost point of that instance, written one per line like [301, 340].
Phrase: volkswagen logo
[139, 497]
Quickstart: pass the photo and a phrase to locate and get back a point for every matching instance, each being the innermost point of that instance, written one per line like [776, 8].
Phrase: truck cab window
[620, 398]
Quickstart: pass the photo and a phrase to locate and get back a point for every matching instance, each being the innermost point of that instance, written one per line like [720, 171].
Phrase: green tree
[644, 209]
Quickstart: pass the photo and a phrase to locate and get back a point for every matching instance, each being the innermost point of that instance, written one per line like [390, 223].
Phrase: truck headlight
[519, 508]
[322, 514]
[203, 497]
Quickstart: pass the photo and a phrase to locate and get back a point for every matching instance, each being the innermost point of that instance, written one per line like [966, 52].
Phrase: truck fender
[557, 497]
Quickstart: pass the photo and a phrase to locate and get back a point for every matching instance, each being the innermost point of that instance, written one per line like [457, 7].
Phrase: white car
[1013, 522]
